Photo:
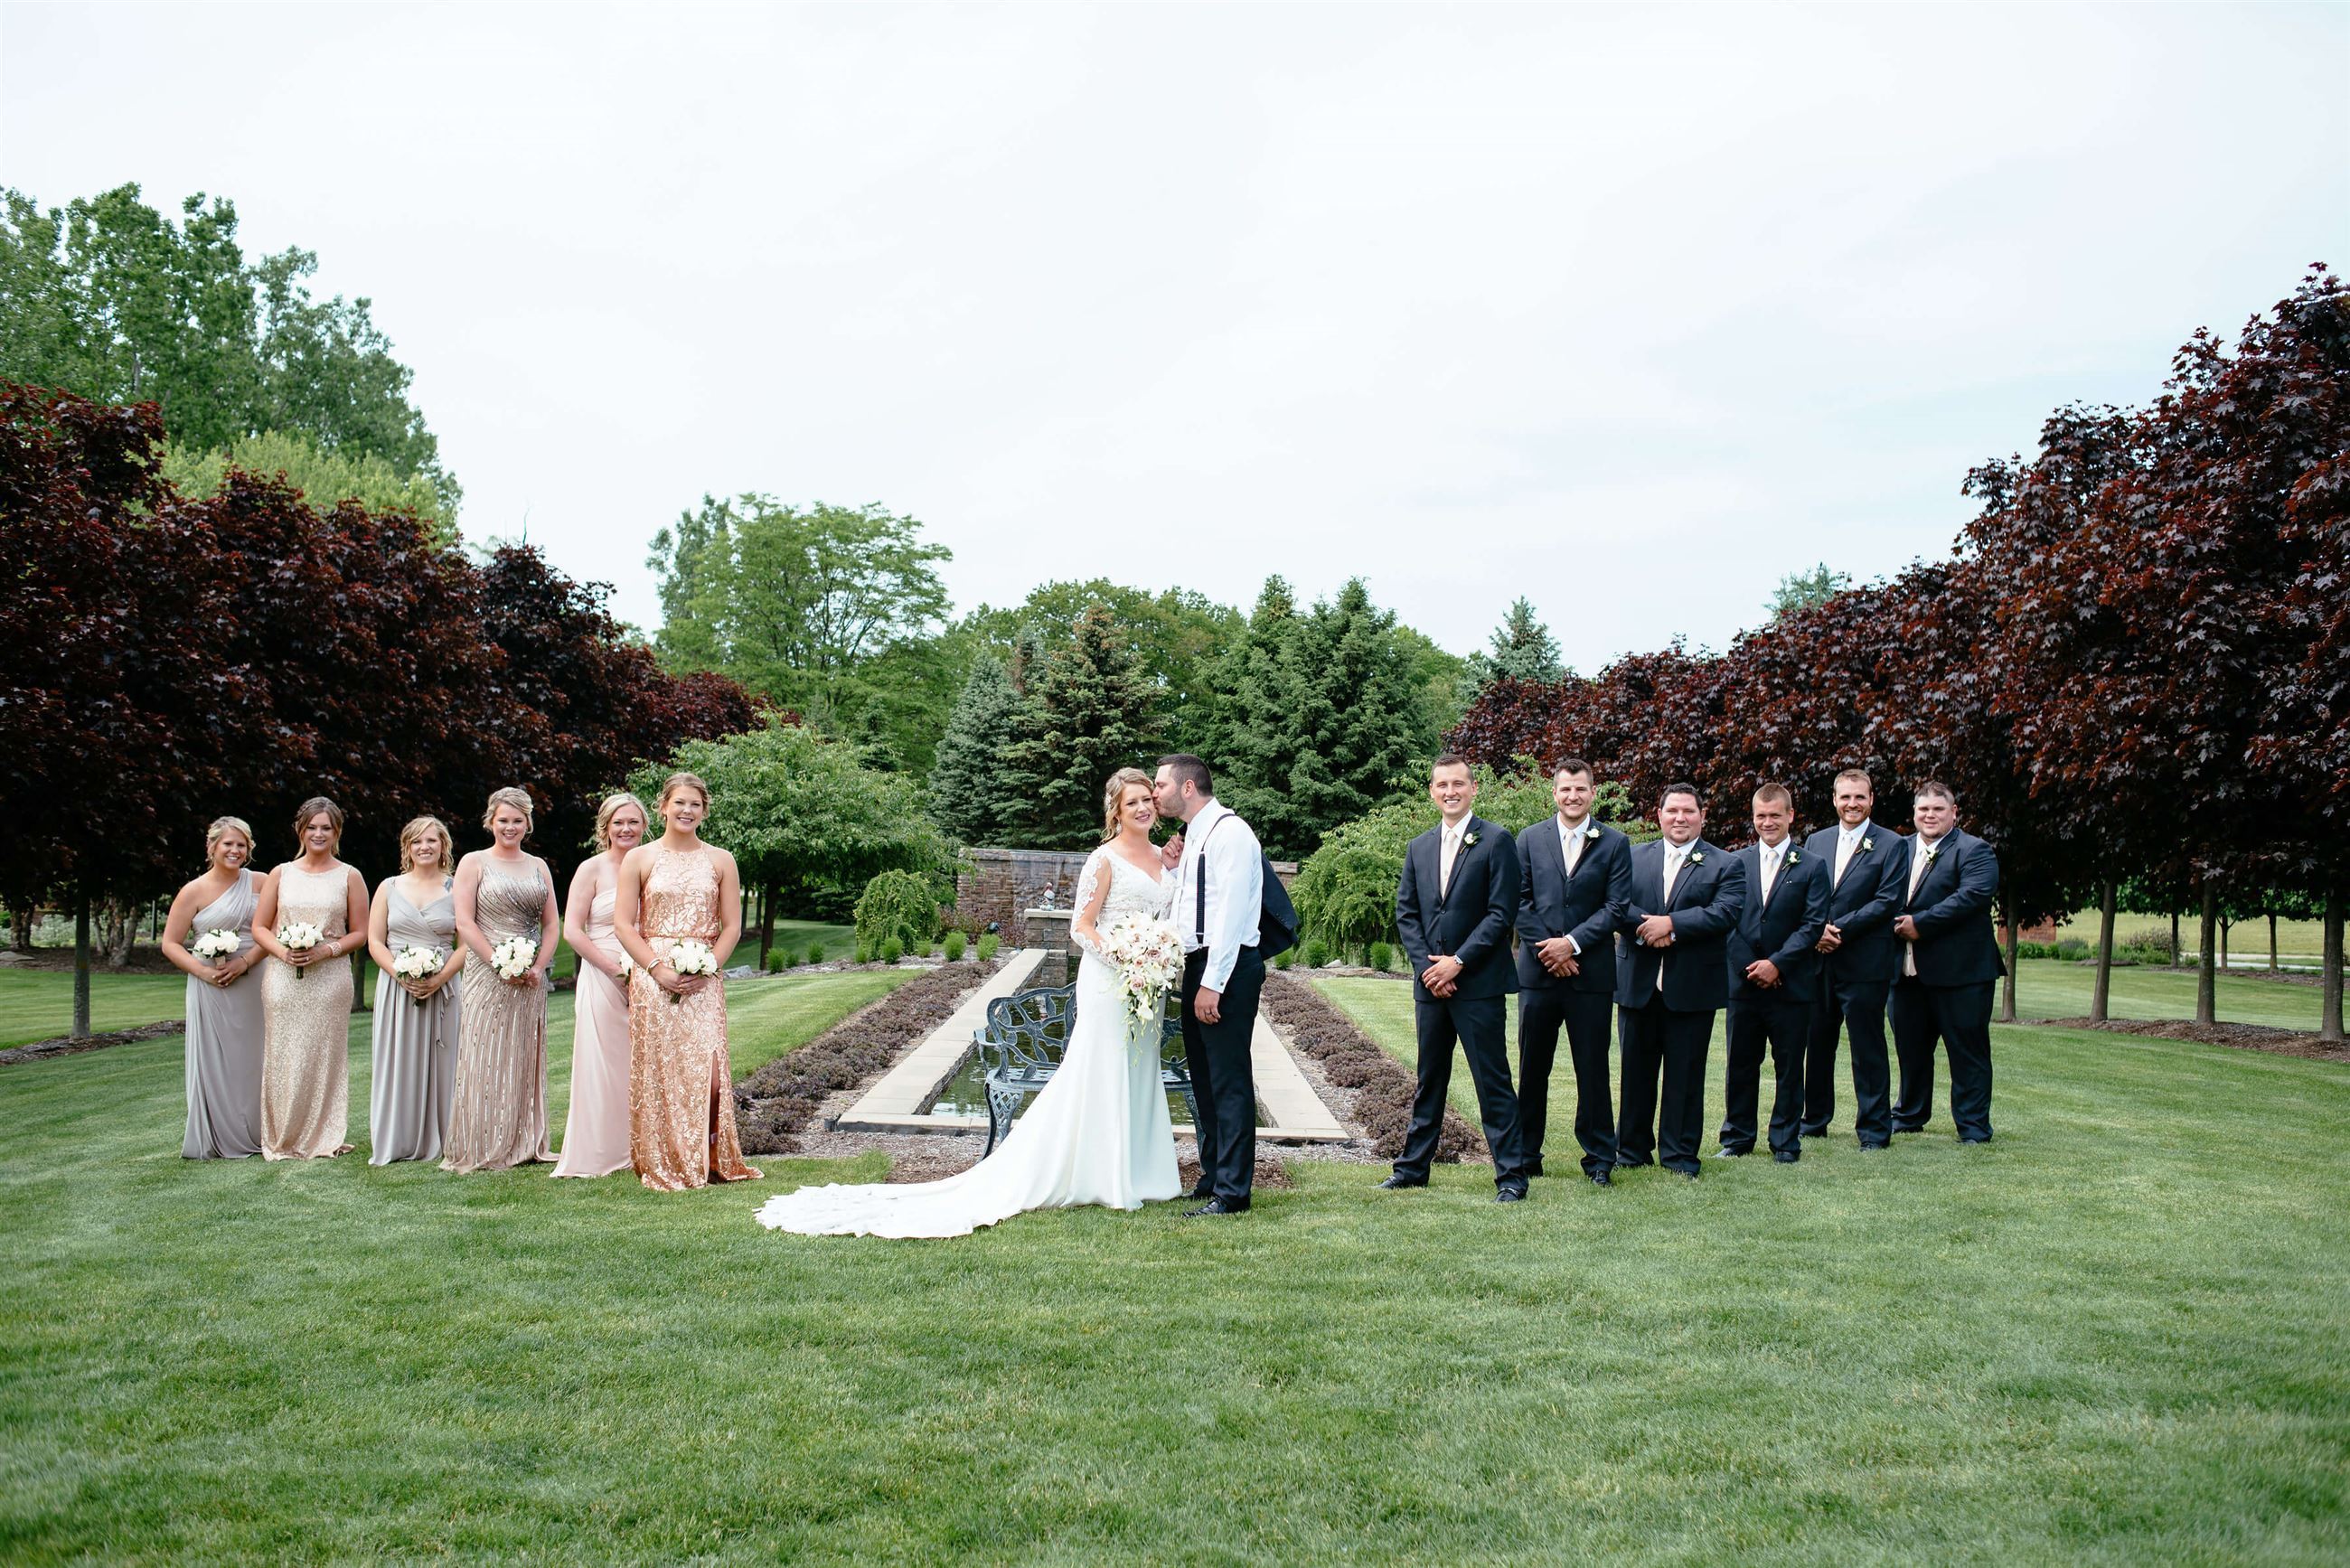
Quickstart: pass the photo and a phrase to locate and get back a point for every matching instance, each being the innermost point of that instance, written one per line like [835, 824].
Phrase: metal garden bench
[1021, 1048]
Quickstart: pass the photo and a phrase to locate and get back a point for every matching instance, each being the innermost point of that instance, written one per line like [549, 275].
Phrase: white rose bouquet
[214, 945]
[300, 937]
[412, 963]
[513, 958]
[1148, 956]
[692, 958]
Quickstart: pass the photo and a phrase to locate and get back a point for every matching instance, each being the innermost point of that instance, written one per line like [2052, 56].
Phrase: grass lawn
[2112, 1335]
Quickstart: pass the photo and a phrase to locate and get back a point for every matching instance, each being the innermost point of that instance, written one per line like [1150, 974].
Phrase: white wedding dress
[1098, 1134]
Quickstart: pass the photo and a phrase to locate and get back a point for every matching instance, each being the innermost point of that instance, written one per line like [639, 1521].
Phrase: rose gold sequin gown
[681, 1093]
[305, 1052]
[497, 1116]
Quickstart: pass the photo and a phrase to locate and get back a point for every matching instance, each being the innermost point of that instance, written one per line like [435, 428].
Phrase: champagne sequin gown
[595, 1132]
[499, 1114]
[681, 1092]
[224, 1031]
[414, 1056]
[306, 1058]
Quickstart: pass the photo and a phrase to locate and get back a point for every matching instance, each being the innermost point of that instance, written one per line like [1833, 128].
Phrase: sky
[1631, 310]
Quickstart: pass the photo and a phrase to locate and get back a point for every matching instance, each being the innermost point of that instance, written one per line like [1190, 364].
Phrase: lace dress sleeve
[1091, 901]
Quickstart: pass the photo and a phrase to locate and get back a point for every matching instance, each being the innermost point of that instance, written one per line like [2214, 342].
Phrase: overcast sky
[1630, 310]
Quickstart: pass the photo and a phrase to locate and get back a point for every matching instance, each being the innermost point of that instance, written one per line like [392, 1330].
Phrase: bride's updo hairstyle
[1113, 794]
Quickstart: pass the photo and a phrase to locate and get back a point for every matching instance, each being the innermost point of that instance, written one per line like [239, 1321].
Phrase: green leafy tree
[1178, 639]
[830, 611]
[897, 907]
[1802, 590]
[110, 298]
[1092, 713]
[977, 792]
[324, 477]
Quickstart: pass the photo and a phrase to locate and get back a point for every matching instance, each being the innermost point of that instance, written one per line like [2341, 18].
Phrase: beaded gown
[681, 1090]
[224, 1031]
[497, 1114]
[595, 1131]
[1098, 1133]
[414, 1056]
[306, 1064]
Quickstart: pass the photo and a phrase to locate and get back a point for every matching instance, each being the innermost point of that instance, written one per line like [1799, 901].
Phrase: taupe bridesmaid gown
[680, 1087]
[415, 1050]
[499, 1116]
[305, 1060]
[224, 1034]
[595, 1132]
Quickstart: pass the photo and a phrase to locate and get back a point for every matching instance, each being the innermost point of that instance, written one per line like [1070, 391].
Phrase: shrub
[2155, 940]
[899, 904]
[987, 944]
[892, 951]
[816, 952]
[2072, 948]
[864, 953]
[954, 947]
[2034, 951]
[776, 961]
[1318, 953]
[1284, 957]
[1381, 955]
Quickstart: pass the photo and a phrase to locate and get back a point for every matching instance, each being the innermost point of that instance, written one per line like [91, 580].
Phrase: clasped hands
[1557, 956]
[1442, 976]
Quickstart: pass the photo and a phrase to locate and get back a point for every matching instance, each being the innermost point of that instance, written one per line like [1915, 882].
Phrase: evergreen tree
[1522, 650]
[1257, 742]
[1091, 716]
[977, 791]
[1802, 590]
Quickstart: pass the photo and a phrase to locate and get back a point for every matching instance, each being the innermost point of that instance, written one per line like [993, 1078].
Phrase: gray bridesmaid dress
[225, 1035]
[414, 1056]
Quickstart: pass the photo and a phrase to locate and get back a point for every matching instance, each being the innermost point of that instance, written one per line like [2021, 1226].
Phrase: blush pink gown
[595, 1133]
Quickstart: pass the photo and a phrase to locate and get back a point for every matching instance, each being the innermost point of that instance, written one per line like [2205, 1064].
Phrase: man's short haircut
[1184, 766]
[1448, 760]
[1858, 773]
[1935, 789]
[1776, 793]
[1572, 765]
[1682, 788]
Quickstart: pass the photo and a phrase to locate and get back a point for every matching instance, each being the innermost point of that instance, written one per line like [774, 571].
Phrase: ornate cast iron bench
[1022, 1043]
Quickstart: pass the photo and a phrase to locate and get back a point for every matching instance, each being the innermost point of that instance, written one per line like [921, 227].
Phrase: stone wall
[993, 886]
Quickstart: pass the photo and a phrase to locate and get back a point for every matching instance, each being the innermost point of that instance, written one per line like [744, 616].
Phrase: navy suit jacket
[1782, 928]
[1587, 906]
[1863, 905]
[1707, 898]
[1956, 944]
[1469, 920]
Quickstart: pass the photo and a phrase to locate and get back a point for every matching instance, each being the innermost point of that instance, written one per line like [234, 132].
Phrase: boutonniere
[1469, 839]
[1590, 830]
[1698, 858]
[1867, 843]
[1794, 857]
[1932, 851]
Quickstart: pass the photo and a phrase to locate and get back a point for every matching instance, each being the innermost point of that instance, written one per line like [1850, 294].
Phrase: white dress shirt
[1236, 873]
[1571, 841]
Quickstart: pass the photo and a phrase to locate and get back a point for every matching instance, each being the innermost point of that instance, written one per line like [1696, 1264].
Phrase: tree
[830, 611]
[1178, 639]
[110, 299]
[1522, 650]
[1803, 590]
[1091, 717]
[977, 794]
[324, 477]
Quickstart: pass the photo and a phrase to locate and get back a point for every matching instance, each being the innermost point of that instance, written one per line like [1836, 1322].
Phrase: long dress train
[414, 1052]
[680, 1082]
[1098, 1134]
[498, 1112]
[306, 1057]
[595, 1130]
[225, 1035]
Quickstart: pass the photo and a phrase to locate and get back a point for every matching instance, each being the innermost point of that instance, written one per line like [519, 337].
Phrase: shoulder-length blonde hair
[517, 798]
[421, 828]
[312, 807]
[222, 826]
[1114, 796]
[611, 809]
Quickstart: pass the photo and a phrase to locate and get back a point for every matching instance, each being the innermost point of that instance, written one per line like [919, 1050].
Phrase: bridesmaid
[223, 1017]
[499, 1117]
[681, 1092]
[595, 1134]
[305, 996]
[415, 1049]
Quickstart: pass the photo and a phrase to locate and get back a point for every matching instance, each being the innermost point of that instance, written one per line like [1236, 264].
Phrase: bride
[1098, 1132]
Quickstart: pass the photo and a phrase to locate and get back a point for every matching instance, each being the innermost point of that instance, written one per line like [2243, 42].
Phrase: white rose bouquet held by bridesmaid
[208, 936]
[412, 936]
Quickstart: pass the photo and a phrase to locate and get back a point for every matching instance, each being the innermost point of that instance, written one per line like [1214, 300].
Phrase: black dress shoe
[1686, 1175]
[1784, 1156]
[1734, 1153]
[1202, 1192]
[1533, 1167]
[1217, 1206]
[1875, 1148]
[1510, 1194]
[1599, 1179]
[1398, 1183]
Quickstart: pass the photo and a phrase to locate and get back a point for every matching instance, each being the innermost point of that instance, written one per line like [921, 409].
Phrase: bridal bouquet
[1147, 955]
[690, 958]
[214, 945]
[414, 962]
[300, 937]
[513, 958]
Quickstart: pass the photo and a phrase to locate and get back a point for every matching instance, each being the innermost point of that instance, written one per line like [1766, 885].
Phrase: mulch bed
[2245, 1036]
[1352, 1060]
[775, 1103]
[67, 1045]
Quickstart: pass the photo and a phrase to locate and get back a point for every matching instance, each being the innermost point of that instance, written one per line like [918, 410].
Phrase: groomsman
[1866, 865]
[1574, 882]
[1670, 980]
[1453, 907]
[1773, 978]
[1949, 966]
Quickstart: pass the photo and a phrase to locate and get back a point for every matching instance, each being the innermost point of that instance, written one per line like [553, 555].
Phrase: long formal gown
[680, 1088]
[224, 1034]
[415, 1051]
[595, 1132]
[1098, 1134]
[305, 1062]
[498, 1112]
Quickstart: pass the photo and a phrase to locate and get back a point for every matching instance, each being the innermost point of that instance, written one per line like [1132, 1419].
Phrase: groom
[1219, 891]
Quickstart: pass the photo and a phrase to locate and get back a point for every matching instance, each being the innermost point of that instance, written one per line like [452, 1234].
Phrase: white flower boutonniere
[1698, 858]
[1469, 839]
[1932, 851]
[1590, 830]
[1867, 843]
[1794, 857]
